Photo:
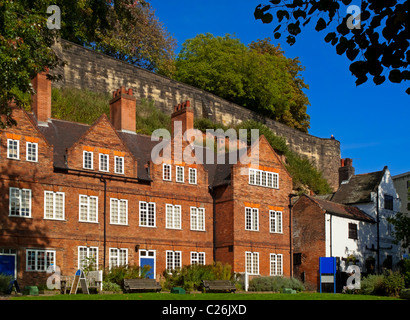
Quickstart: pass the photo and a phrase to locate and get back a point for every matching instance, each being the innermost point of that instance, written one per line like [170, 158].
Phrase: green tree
[401, 223]
[25, 50]
[252, 76]
[377, 46]
[125, 29]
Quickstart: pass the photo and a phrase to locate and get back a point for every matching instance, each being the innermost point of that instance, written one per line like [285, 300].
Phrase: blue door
[8, 265]
[147, 259]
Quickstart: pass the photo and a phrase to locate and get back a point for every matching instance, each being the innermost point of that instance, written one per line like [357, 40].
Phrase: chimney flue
[123, 110]
[184, 113]
[346, 170]
[41, 100]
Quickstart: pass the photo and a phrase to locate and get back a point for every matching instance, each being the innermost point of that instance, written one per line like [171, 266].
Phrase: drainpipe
[291, 195]
[103, 180]
[378, 231]
[331, 253]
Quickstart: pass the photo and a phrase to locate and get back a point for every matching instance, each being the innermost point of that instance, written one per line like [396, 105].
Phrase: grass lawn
[208, 296]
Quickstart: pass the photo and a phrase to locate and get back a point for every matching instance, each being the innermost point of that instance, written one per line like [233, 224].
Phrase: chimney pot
[184, 113]
[123, 110]
[41, 100]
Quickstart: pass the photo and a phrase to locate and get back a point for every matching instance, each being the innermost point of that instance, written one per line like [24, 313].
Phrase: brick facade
[57, 206]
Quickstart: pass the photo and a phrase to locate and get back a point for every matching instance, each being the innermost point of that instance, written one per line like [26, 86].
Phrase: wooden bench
[218, 286]
[141, 285]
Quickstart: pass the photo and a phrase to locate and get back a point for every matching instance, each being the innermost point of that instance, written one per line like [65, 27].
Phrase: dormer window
[13, 149]
[31, 151]
[264, 178]
[104, 162]
[88, 160]
[119, 165]
[192, 176]
[179, 174]
[166, 172]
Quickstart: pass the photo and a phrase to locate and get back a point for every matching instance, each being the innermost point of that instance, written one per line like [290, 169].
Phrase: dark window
[388, 202]
[352, 231]
[297, 259]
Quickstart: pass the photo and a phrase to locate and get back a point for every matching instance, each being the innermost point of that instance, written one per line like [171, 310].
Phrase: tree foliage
[25, 50]
[376, 41]
[258, 77]
[401, 223]
[125, 29]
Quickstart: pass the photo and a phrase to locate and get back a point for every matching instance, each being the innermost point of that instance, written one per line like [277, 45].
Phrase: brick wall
[65, 236]
[232, 239]
[309, 240]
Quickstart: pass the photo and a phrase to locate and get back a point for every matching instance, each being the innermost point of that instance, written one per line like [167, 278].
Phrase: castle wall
[98, 72]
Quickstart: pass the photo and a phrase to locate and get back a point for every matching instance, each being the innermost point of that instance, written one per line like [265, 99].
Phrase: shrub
[372, 284]
[275, 284]
[393, 283]
[117, 275]
[385, 285]
[5, 282]
[111, 286]
[405, 271]
[190, 277]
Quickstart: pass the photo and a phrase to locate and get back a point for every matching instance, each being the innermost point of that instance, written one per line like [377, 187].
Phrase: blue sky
[371, 122]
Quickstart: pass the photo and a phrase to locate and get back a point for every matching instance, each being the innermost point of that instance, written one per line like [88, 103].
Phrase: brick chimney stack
[123, 110]
[183, 112]
[41, 100]
[346, 170]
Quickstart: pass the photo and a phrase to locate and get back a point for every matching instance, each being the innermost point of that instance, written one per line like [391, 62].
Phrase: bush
[372, 284]
[116, 275]
[393, 283]
[190, 277]
[384, 285]
[111, 286]
[405, 271]
[275, 284]
[5, 282]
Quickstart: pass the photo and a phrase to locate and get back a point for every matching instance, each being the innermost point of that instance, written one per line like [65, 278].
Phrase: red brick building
[72, 191]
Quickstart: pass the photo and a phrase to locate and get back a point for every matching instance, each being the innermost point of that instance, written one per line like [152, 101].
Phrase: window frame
[28, 144]
[252, 220]
[88, 208]
[101, 162]
[86, 153]
[117, 166]
[171, 257]
[267, 179]
[197, 218]
[197, 260]
[118, 252]
[170, 221]
[168, 166]
[251, 268]
[278, 267]
[17, 157]
[195, 180]
[11, 189]
[352, 232]
[147, 212]
[80, 263]
[54, 194]
[36, 267]
[177, 168]
[118, 220]
[274, 225]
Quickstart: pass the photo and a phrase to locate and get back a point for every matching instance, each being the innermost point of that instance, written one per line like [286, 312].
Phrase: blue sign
[327, 271]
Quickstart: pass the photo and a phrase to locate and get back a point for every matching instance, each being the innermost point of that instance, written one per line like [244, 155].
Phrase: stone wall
[98, 72]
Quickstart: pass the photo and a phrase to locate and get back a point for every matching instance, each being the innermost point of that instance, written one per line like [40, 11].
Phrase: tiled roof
[359, 188]
[341, 210]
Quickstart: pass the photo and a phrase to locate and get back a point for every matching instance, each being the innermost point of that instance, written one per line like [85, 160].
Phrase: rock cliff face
[88, 69]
